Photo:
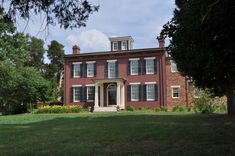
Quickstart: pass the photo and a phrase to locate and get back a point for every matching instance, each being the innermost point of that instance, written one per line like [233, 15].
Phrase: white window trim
[173, 71]
[75, 86]
[134, 59]
[150, 58]
[90, 62]
[89, 85]
[112, 60]
[76, 63]
[138, 83]
[176, 86]
[150, 83]
[113, 46]
[134, 83]
[122, 45]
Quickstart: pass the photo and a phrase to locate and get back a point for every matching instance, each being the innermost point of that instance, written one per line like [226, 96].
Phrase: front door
[112, 94]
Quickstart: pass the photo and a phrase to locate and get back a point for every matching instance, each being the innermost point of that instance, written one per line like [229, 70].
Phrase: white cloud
[90, 40]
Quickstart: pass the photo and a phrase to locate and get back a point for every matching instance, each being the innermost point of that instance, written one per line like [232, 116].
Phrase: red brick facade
[163, 78]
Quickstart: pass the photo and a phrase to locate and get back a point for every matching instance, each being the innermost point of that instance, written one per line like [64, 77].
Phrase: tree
[202, 44]
[55, 68]
[66, 13]
[36, 53]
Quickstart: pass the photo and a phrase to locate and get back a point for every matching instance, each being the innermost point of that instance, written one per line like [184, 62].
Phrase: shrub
[145, 109]
[161, 109]
[179, 108]
[60, 109]
[130, 108]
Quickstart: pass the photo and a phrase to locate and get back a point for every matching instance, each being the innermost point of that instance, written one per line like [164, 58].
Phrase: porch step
[105, 109]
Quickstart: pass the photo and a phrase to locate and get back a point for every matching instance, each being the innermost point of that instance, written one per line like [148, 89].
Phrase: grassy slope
[117, 134]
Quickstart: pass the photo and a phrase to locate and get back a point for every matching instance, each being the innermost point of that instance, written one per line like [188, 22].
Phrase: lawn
[133, 133]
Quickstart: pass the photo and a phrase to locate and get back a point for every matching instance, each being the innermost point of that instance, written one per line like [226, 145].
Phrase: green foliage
[161, 109]
[66, 13]
[180, 108]
[60, 109]
[130, 108]
[201, 43]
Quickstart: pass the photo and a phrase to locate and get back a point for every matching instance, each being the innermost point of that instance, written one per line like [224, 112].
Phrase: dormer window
[124, 45]
[115, 46]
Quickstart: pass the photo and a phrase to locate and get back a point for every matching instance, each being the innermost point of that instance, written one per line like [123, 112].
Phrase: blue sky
[141, 19]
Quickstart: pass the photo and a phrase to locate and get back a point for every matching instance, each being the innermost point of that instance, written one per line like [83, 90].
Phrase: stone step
[105, 109]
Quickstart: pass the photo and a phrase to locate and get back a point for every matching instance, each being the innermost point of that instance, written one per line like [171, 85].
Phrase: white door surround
[99, 97]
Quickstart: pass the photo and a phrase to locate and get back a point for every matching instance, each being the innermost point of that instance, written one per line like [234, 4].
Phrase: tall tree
[66, 13]
[55, 69]
[202, 44]
[36, 53]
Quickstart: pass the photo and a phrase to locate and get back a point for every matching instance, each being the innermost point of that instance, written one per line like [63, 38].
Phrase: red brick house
[123, 76]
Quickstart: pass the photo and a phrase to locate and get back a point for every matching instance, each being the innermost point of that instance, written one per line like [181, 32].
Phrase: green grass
[126, 133]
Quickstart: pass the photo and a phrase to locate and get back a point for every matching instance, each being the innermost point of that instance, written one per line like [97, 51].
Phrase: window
[135, 92]
[134, 66]
[115, 46]
[173, 66]
[90, 93]
[150, 65]
[150, 92]
[112, 68]
[175, 91]
[77, 93]
[124, 45]
[91, 69]
[77, 69]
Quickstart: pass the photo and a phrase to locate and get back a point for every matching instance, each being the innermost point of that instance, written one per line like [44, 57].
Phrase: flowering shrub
[60, 109]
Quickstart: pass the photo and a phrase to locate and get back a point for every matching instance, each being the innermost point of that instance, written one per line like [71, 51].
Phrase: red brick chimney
[76, 49]
[161, 41]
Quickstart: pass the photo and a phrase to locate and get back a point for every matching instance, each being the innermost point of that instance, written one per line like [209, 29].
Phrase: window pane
[134, 67]
[124, 45]
[111, 69]
[175, 92]
[90, 93]
[76, 94]
[150, 91]
[77, 70]
[90, 70]
[149, 66]
[115, 46]
[173, 66]
[134, 92]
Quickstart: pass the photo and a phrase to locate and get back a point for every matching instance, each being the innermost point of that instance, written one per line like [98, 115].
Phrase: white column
[96, 96]
[118, 94]
[123, 96]
[102, 95]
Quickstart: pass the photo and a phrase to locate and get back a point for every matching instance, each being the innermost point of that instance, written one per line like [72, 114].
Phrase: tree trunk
[231, 101]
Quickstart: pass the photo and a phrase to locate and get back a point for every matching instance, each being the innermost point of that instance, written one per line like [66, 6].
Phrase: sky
[141, 19]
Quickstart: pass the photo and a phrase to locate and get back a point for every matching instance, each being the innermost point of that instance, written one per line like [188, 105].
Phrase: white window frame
[146, 67]
[173, 66]
[124, 44]
[93, 65]
[115, 49]
[135, 84]
[154, 90]
[77, 87]
[172, 91]
[109, 62]
[89, 85]
[77, 64]
[131, 64]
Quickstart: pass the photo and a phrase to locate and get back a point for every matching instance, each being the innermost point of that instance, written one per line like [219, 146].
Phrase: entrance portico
[109, 93]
